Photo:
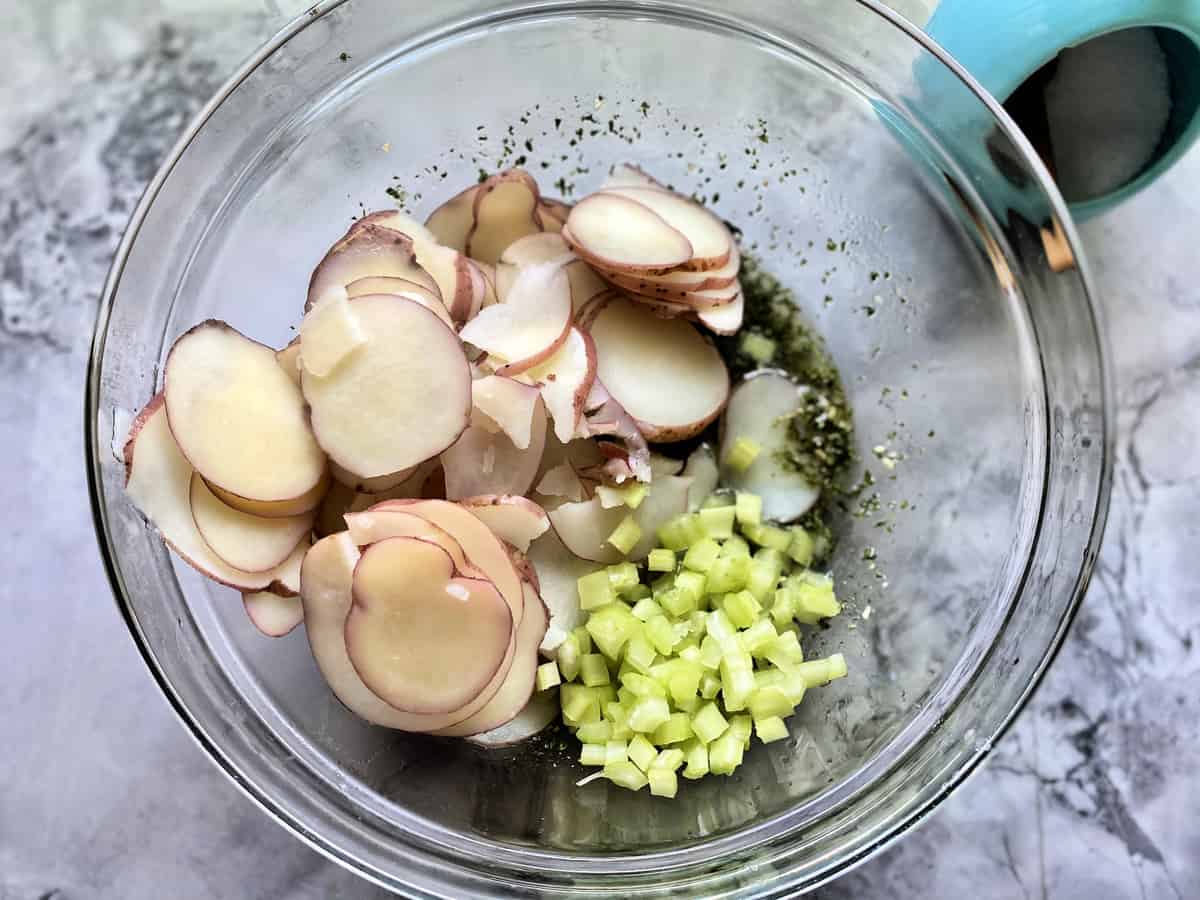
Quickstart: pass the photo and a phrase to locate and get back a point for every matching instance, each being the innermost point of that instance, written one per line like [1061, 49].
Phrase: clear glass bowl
[870, 174]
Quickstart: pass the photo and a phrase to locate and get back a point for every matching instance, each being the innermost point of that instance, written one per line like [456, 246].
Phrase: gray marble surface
[102, 795]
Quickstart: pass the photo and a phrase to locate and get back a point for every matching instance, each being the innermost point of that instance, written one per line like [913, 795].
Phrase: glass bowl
[923, 239]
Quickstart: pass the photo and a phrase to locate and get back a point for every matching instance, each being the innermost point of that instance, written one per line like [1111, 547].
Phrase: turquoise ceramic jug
[1002, 43]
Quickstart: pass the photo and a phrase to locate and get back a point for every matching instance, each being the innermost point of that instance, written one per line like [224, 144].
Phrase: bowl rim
[260, 795]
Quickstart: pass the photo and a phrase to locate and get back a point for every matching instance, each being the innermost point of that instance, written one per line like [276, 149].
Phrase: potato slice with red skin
[411, 487]
[534, 717]
[451, 222]
[398, 287]
[326, 580]
[446, 265]
[285, 579]
[565, 380]
[630, 175]
[585, 283]
[561, 481]
[238, 418]
[289, 360]
[509, 404]
[552, 214]
[272, 615]
[726, 319]
[246, 542]
[505, 211]
[329, 333]
[378, 485]
[584, 529]
[515, 520]
[530, 324]
[367, 251]
[514, 694]
[158, 482]
[675, 286]
[531, 250]
[483, 462]
[664, 309]
[401, 399]
[422, 638]
[712, 244]
[279, 509]
[621, 234]
[559, 571]
[488, 273]
[663, 372]
[374, 525]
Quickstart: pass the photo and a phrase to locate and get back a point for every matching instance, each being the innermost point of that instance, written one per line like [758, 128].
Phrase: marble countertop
[102, 795]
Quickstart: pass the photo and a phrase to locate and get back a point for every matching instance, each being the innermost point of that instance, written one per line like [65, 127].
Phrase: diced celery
[737, 681]
[595, 591]
[690, 705]
[725, 754]
[710, 685]
[582, 639]
[771, 536]
[648, 713]
[758, 638]
[770, 729]
[662, 584]
[742, 609]
[728, 574]
[626, 535]
[721, 629]
[685, 680]
[748, 509]
[661, 560]
[697, 625]
[661, 634]
[640, 653]
[693, 584]
[785, 651]
[676, 602]
[815, 602]
[675, 730]
[708, 723]
[642, 752]
[783, 609]
[640, 685]
[701, 555]
[681, 532]
[770, 701]
[595, 733]
[817, 672]
[615, 751]
[568, 656]
[626, 697]
[593, 670]
[647, 608]
[710, 653]
[800, 549]
[638, 592]
[605, 693]
[663, 782]
[735, 547]
[717, 521]
[758, 347]
[793, 686]
[696, 754]
[743, 727]
[669, 759]
[691, 652]
[717, 499]
[630, 494]
[574, 700]
[615, 713]
[625, 774]
[548, 676]
[593, 754]
[742, 453]
[610, 496]
[623, 576]
[611, 627]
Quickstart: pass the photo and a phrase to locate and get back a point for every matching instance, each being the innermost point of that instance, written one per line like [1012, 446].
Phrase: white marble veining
[1092, 795]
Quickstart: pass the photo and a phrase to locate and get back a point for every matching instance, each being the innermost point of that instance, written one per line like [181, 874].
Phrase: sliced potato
[271, 614]
[329, 333]
[629, 175]
[670, 379]
[365, 252]
[402, 399]
[451, 222]
[558, 571]
[509, 404]
[724, 319]
[373, 525]
[565, 380]
[584, 529]
[618, 233]
[712, 244]
[530, 324]
[505, 211]
[238, 418]
[289, 360]
[486, 462]
[246, 542]
[703, 470]
[515, 520]
[676, 286]
[534, 718]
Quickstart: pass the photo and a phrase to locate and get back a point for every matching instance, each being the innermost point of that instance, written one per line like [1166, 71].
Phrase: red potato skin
[135, 428]
[552, 214]
[651, 288]
[508, 370]
[695, 264]
[369, 232]
[597, 262]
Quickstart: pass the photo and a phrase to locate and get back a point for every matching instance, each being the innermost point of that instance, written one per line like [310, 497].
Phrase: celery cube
[800, 549]
[595, 733]
[642, 752]
[593, 754]
[623, 576]
[595, 590]
[582, 639]
[742, 608]
[626, 535]
[646, 608]
[640, 685]
[661, 560]
[638, 592]
[675, 533]
[661, 634]
[615, 713]
[685, 680]
[721, 630]
[770, 729]
[593, 670]
[742, 727]
[735, 547]
[701, 555]
[662, 584]
[717, 521]
[728, 574]
[675, 730]
[677, 602]
[770, 701]
[758, 347]
[670, 759]
[697, 625]
[815, 602]
[743, 452]
[708, 723]
[640, 653]
[568, 656]
[710, 653]
[737, 683]
[758, 638]
[774, 538]
[696, 754]
[710, 685]
[663, 782]
[648, 713]
[785, 651]
[817, 672]
[783, 609]
[690, 705]
[717, 499]
[725, 754]
[611, 627]
[692, 584]
[615, 751]
[574, 700]
[625, 774]
[748, 509]
[548, 676]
